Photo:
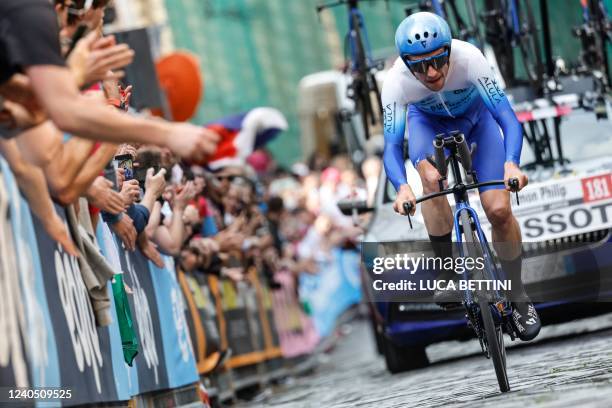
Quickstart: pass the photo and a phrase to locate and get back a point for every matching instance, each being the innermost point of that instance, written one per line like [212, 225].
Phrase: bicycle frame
[462, 203]
[491, 270]
[512, 12]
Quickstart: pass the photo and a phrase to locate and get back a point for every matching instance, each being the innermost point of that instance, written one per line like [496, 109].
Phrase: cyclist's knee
[429, 177]
[499, 214]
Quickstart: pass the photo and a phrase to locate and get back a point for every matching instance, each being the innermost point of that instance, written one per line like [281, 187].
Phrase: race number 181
[597, 188]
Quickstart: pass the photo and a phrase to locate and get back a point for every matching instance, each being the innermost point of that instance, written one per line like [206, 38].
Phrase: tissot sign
[560, 208]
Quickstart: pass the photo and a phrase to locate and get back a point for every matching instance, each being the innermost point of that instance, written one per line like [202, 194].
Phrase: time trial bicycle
[488, 313]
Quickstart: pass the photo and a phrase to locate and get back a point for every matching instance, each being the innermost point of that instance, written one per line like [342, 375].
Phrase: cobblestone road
[569, 365]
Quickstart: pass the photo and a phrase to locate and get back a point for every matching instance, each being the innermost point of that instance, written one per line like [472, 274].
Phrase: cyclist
[437, 85]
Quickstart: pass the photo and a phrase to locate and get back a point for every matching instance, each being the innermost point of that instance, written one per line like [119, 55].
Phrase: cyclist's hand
[404, 194]
[511, 170]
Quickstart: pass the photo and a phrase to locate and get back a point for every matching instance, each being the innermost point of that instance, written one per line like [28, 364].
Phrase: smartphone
[145, 160]
[126, 162]
[111, 175]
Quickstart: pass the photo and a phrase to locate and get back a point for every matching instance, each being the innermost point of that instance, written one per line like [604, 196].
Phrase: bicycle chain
[474, 321]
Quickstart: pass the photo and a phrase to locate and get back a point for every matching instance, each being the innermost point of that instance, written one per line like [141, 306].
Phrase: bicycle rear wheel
[493, 333]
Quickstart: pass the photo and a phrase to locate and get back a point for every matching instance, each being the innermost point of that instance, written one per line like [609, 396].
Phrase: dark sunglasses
[78, 8]
[421, 66]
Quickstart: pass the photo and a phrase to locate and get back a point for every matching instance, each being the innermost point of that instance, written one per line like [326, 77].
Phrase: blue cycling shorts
[477, 124]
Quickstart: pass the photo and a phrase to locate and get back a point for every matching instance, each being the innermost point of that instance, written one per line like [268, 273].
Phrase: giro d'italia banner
[49, 333]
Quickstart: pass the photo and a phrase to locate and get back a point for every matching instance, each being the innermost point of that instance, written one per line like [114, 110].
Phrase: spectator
[49, 84]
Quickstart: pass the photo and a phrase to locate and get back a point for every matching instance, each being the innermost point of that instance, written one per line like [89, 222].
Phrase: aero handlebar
[513, 183]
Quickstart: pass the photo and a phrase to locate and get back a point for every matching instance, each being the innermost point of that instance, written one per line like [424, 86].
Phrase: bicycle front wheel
[493, 333]
[495, 345]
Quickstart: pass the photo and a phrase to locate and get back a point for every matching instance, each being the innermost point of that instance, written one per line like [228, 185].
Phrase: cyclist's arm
[497, 103]
[394, 126]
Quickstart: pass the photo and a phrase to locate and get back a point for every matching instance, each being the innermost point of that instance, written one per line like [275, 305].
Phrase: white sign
[560, 208]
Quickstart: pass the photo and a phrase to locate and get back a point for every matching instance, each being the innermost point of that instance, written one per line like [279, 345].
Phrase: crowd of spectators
[70, 138]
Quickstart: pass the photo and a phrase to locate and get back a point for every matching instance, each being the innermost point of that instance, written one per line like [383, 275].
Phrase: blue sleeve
[497, 103]
[394, 127]
[209, 227]
[140, 215]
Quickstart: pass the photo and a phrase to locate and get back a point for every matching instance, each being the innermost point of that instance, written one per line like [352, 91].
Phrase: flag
[241, 134]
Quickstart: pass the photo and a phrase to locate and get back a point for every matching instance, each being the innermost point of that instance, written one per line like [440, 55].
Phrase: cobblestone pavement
[569, 365]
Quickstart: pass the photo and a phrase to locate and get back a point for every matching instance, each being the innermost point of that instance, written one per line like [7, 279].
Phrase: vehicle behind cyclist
[439, 85]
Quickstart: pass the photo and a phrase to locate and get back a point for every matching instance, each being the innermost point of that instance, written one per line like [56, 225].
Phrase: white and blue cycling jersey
[471, 101]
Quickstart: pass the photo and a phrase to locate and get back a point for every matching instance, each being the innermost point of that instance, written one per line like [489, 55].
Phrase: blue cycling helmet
[422, 33]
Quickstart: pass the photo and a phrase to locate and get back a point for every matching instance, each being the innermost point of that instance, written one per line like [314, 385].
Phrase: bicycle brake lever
[514, 184]
[517, 199]
[407, 209]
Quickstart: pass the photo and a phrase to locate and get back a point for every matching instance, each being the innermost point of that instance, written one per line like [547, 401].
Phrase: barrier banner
[243, 337]
[202, 320]
[83, 347]
[333, 290]
[150, 363]
[178, 349]
[296, 332]
[265, 315]
[126, 377]
[28, 352]
[49, 335]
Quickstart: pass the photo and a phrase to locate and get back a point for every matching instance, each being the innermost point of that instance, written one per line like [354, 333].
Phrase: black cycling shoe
[525, 320]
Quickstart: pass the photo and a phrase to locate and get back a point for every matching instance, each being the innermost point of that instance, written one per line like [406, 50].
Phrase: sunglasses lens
[440, 61]
[420, 67]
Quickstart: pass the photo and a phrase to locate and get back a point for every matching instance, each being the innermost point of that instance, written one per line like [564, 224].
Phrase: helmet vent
[435, 35]
[425, 34]
[409, 41]
[417, 36]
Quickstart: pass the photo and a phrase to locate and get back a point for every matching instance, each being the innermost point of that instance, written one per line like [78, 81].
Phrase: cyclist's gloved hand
[512, 170]
[404, 194]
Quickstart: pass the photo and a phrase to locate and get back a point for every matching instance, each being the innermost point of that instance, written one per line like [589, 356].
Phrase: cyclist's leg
[422, 130]
[488, 163]
[437, 214]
